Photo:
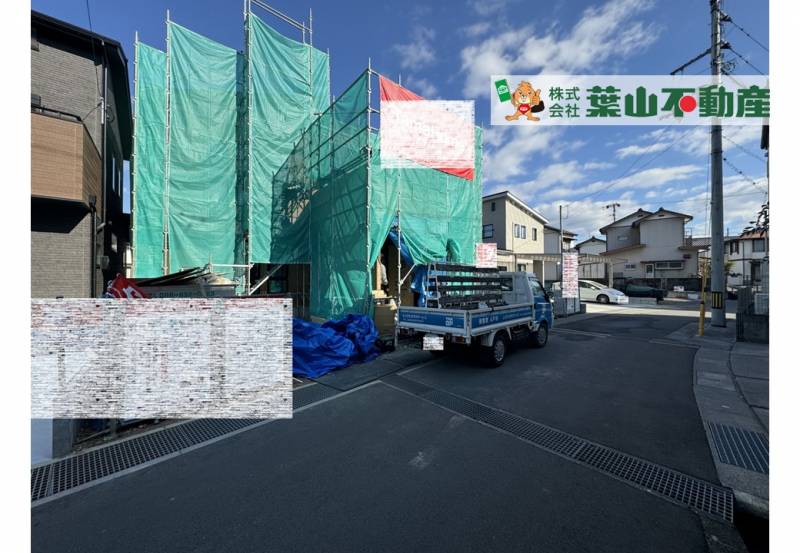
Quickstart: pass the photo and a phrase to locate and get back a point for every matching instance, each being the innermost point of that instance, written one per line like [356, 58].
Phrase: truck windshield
[536, 287]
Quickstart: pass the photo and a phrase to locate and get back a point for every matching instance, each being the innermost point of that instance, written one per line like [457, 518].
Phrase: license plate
[432, 342]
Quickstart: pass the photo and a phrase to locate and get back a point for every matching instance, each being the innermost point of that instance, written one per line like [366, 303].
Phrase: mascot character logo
[527, 101]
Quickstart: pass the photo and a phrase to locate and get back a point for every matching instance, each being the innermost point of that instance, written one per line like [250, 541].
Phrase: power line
[728, 19]
[753, 182]
[745, 150]
[632, 165]
[746, 60]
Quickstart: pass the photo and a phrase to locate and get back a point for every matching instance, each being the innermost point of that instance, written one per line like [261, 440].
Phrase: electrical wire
[752, 181]
[746, 60]
[745, 150]
[728, 19]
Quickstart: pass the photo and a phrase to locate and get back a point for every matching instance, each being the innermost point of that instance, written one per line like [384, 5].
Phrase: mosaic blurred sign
[486, 255]
[161, 358]
[569, 275]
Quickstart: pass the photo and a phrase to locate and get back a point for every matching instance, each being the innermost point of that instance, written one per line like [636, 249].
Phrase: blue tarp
[319, 349]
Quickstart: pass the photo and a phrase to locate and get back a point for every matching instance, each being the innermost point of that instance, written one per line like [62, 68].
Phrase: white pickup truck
[519, 311]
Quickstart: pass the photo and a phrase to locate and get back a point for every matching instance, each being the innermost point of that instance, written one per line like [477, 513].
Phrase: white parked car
[594, 291]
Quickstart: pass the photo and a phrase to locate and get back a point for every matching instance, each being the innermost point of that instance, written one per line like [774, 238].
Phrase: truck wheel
[538, 339]
[494, 355]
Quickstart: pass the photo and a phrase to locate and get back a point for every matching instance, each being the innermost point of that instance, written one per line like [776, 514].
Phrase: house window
[630, 265]
[669, 265]
[523, 231]
[494, 206]
[34, 39]
[534, 233]
[759, 245]
[521, 267]
[734, 247]
[36, 100]
[502, 268]
[516, 230]
[488, 231]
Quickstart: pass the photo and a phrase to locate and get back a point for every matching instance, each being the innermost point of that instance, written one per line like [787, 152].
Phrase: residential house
[747, 254]
[592, 271]
[518, 231]
[652, 245]
[552, 237]
[80, 136]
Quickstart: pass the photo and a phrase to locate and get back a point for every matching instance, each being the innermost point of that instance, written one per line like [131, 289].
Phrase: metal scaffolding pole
[165, 209]
[248, 187]
[133, 149]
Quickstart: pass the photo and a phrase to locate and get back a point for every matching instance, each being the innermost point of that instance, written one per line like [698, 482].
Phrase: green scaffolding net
[289, 86]
[201, 151]
[148, 162]
[319, 205]
[259, 167]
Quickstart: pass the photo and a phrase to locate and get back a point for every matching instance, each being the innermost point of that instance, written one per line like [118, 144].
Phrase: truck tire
[539, 338]
[494, 355]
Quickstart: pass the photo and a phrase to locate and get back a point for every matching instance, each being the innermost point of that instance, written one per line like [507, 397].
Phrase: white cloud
[485, 8]
[508, 150]
[634, 150]
[591, 165]
[419, 52]
[602, 34]
[421, 86]
[476, 29]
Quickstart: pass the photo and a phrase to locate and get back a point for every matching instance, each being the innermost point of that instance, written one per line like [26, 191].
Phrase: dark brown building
[80, 135]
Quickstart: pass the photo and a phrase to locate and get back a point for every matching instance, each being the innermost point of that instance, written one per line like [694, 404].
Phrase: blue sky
[447, 50]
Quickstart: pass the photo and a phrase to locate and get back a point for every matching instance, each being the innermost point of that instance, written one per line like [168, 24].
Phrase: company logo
[631, 100]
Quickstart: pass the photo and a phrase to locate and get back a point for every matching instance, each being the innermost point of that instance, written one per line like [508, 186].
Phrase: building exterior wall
[741, 269]
[516, 251]
[60, 250]
[593, 271]
[495, 218]
[534, 230]
[66, 79]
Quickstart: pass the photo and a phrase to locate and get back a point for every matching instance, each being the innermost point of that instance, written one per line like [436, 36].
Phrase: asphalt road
[377, 469]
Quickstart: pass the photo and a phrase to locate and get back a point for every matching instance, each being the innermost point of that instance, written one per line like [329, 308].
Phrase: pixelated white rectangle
[438, 134]
[486, 255]
[161, 358]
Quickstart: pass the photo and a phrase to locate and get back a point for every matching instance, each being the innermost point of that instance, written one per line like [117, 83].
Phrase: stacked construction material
[452, 286]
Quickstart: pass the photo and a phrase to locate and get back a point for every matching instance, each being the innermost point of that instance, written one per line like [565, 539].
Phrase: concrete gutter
[720, 399]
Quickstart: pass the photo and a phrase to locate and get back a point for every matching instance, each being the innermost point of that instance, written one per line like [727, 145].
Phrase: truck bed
[463, 322]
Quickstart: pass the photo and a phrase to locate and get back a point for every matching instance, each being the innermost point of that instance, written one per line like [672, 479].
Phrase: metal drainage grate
[39, 479]
[83, 468]
[739, 447]
[672, 485]
[681, 488]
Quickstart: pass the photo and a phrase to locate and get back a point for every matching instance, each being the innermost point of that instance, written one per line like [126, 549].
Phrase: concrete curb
[719, 400]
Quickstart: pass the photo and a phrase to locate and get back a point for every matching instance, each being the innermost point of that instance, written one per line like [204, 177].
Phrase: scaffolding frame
[303, 28]
[133, 147]
[165, 208]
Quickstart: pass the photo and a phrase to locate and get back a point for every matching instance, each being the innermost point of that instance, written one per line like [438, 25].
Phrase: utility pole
[717, 240]
[613, 207]
[561, 248]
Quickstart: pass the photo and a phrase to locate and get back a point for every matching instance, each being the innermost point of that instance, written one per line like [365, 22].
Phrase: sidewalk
[732, 391]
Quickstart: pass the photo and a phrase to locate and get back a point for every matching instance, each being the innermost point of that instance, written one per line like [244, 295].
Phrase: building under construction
[242, 161]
